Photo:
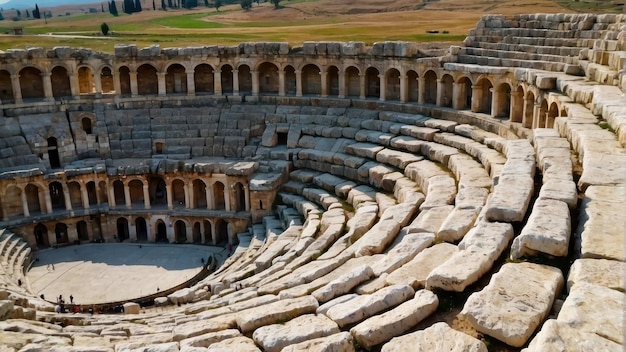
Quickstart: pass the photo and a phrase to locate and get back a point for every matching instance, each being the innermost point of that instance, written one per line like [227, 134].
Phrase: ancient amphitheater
[376, 197]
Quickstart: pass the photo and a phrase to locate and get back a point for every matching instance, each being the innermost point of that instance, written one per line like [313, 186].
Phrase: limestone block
[380, 328]
[403, 252]
[343, 284]
[547, 231]
[438, 337]
[253, 318]
[365, 306]
[601, 272]
[206, 340]
[239, 344]
[595, 309]
[131, 308]
[396, 158]
[416, 271]
[516, 301]
[273, 338]
[555, 337]
[160, 347]
[562, 190]
[470, 197]
[340, 342]
[441, 191]
[199, 327]
[385, 230]
[181, 296]
[457, 224]
[430, 220]
[510, 198]
[6, 306]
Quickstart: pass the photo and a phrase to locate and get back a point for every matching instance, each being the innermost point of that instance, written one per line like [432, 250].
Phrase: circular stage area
[101, 273]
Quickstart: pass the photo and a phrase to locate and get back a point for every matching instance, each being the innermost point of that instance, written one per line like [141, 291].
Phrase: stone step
[532, 64]
[502, 54]
[533, 49]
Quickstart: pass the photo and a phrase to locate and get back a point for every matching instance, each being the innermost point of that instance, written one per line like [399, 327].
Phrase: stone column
[217, 82]
[495, 102]
[161, 83]
[247, 196]
[146, 196]
[536, 116]
[17, 88]
[117, 85]
[383, 87]
[209, 200]
[129, 203]
[187, 196]
[255, 83]
[324, 80]
[111, 191]
[191, 84]
[404, 91]
[47, 87]
[5, 217]
[281, 83]
[517, 102]
[97, 82]
[134, 91]
[74, 85]
[361, 85]
[227, 193]
[458, 96]
[72, 234]
[342, 84]
[440, 92]
[168, 192]
[298, 83]
[66, 197]
[421, 90]
[235, 82]
[84, 196]
[477, 96]
[25, 204]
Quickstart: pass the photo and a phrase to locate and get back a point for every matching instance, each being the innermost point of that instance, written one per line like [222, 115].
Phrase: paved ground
[97, 273]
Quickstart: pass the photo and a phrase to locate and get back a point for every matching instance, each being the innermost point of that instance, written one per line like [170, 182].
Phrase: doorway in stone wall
[53, 153]
[161, 235]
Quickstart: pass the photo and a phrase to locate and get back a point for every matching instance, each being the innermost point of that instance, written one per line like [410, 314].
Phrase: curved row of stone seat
[14, 261]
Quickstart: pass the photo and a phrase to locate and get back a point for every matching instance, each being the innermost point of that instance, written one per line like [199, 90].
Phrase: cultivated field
[297, 21]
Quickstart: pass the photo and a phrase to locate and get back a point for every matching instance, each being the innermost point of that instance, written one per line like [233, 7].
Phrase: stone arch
[311, 80]
[92, 194]
[86, 124]
[122, 229]
[6, 88]
[219, 201]
[240, 197]
[199, 194]
[517, 105]
[208, 231]
[180, 231]
[332, 81]
[76, 195]
[124, 73]
[553, 112]
[447, 86]
[221, 232]
[60, 79]
[543, 113]
[529, 106]
[103, 192]
[147, 81]
[53, 153]
[464, 86]
[268, 78]
[57, 198]
[135, 188]
[41, 236]
[178, 193]
[245, 79]
[158, 191]
[60, 231]
[503, 100]
[352, 82]
[12, 202]
[161, 231]
[392, 82]
[86, 84]
[412, 86]
[82, 231]
[196, 236]
[106, 80]
[175, 79]
[227, 79]
[118, 193]
[372, 83]
[484, 100]
[35, 203]
[141, 229]
[430, 87]
[203, 78]
[290, 80]
[31, 83]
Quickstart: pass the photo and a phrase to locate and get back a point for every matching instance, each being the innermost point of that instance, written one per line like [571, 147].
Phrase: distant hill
[26, 4]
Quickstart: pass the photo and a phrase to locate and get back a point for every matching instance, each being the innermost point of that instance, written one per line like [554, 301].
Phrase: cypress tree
[137, 6]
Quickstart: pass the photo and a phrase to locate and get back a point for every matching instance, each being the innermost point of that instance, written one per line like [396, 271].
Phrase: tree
[27, 14]
[113, 8]
[104, 28]
[137, 7]
[101, 7]
[217, 4]
[1, 17]
[18, 13]
[190, 4]
[153, 6]
[275, 2]
[246, 4]
[163, 7]
[169, 4]
[206, 3]
[128, 6]
[36, 12]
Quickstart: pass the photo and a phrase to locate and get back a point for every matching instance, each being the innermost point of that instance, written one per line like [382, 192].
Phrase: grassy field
[297, 21]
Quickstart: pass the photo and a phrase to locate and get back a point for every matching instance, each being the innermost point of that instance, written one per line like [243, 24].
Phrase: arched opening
[161, 235]
[219, 202]
[6, 88]
[57, 198]
[60, 82]
[135, 188]
[141, 229]
[484, 102]
[158, 191]
[392, 82]
[103, 192]
[53, 153]
[199, 194]
[268, 78]
[81, 231]
[76, 196]
[353, 82]
[543, 112]
[503, 104]
[147, 81]
[464, 85]
[125, 81]
[517, 105]
[96, 228]
[311, 80]
[529, 106]
[85, 123]
[92, 195]
[208, 234]
[203, 79]
[372, 83]
[245, 79]
[553, 112]
[221, 232]
[12, 202]
[85, 80]
[197, 233]
[227, 79]
[31, 83]
[563, 112]
[446, 99]
[290, 80]
[41, 236]
[106, 80]
[118, 193]
[430, 87]
[32, 198]
[60, 230]
[175, 79]
[122, 229]
[412, 86]
[332, 81]
[240, 197]
[180, 231]
[178, 193]
[159, 147]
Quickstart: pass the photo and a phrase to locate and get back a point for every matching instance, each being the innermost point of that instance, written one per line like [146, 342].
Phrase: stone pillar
[74, 85]
[72, 234]
[458, 96]
[440, 92]
[168, 191]
[404, 91]
[281, 83]
[112, 203]
[235, 82]
[421, 90]
[361, 85]
[324, 80]
[84, 196]
[209, 201]
[97, 82]
[117, 85]
[298, 83]
[191, 84]
[247, 196]
[227, 192]
[217, 82]
[161, 83]
[146, 196]
[477, 96]
[47, 87]
[517, 107]
[134, 91]
[17, 88]
[495, 102]
[255, 83]
[25, 204]
[129, 203]
[187, 196]
[536, 116]
[66, 197]
[5, 217]
[342, 84]
[383, 87]
[46, 196]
